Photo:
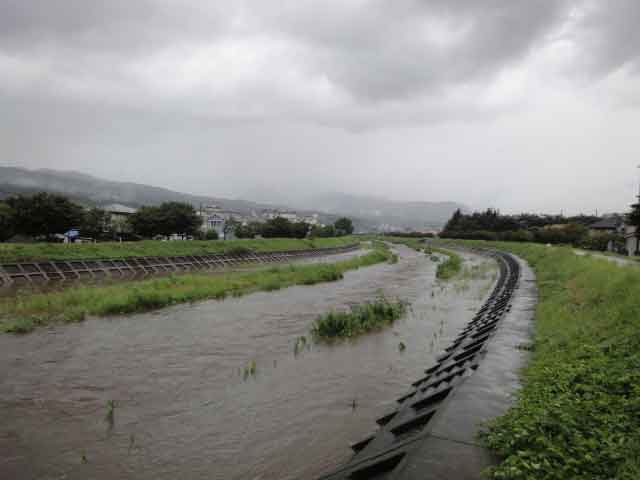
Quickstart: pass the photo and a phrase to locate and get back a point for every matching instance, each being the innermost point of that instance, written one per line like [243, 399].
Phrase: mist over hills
[368, 212]
[370, 209]
[98, 191]
[417, 215]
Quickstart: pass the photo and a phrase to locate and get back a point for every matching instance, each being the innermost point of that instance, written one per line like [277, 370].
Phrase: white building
[216, 218]
[312, 220]
[271, 214]
[119, 214]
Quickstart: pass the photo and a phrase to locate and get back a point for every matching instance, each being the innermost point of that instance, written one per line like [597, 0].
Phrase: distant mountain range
[371, 210]
[98, 191]
[380, 211]
[368, 212]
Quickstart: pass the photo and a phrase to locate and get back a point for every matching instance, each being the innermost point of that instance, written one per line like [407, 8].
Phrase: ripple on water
[177, 378]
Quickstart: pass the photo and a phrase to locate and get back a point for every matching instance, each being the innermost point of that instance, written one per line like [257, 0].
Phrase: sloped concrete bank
[14, 275]
[433, 432]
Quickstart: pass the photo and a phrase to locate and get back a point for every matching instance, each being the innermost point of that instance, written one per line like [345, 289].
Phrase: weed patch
[578, 413]
[359, 319]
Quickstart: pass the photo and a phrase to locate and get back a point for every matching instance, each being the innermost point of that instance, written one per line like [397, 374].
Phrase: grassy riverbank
[359, 319]
[24, 313]
[19, 252]
[578, 414]
[447, 269]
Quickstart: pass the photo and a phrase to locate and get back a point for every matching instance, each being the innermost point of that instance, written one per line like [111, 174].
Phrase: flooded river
[185, 402]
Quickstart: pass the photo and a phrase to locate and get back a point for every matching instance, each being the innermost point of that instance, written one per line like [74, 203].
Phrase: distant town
[51, 217]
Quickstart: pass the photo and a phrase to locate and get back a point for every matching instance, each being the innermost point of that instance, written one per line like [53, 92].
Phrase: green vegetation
[343, 226]
[16, 252]
[23, 313]
[7, 222]
[299, 345]
[249, 370]
[165, 219]
[447, 269]
[578, 414]
[359, 319]
[280, 227]
[43, 214]
[554, 229]
[111, 409]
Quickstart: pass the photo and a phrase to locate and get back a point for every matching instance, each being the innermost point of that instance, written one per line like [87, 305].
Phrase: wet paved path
[183, 405]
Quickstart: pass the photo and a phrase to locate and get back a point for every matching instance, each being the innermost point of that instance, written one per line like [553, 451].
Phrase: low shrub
[359, 319]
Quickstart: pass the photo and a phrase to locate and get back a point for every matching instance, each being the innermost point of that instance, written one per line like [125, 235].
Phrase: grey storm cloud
[324, 60]
[250, 90]
[344, 54]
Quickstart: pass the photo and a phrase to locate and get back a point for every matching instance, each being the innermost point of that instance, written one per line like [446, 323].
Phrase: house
[119, 215]
[118, 211]
[612, 224]
[214, 221]
[272, 214]
[216, 218]
[313, 220]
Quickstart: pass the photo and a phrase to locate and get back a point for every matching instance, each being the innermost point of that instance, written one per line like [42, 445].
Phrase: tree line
[553, 229]
[43, 216]
[282, 227]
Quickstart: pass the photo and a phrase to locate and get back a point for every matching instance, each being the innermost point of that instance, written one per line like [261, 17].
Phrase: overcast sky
[514, 104]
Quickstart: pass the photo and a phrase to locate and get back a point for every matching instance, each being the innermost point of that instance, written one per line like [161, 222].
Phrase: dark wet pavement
[183, 405]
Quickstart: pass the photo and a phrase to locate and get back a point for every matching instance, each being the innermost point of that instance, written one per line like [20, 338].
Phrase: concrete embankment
[18, 274]
[433, 432]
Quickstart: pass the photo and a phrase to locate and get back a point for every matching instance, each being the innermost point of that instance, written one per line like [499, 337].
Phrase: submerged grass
[17, 252]
[24, 313]
[447, 269]
[578, 413]
[359, 319]
[450, 267]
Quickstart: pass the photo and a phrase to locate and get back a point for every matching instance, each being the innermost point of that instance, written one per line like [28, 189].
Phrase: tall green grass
[23, 313]
[578, 413]
[450, 267]
[16, 252]
[359, 319]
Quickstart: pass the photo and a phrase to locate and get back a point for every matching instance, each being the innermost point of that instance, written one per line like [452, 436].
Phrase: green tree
[454, 222]
[7, 222]
[249, 231]
[211, 235]
[299, 229]
[327, 231]
[165, 219]
[343, 226]
[146, 222]
[97, 224]
[178, 217]
[278, 227]
[44, 214]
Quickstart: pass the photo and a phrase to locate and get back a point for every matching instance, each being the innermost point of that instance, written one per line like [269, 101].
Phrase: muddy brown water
[184, 408]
